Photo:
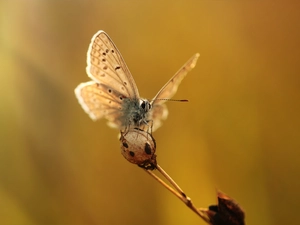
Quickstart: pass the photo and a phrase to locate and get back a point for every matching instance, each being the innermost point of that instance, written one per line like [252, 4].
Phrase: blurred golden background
[239, 133]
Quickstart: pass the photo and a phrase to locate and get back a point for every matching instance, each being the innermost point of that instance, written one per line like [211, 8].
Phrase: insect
[113, 94]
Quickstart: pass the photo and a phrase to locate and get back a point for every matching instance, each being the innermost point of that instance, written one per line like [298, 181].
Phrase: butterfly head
[145, 105]
[135, 112]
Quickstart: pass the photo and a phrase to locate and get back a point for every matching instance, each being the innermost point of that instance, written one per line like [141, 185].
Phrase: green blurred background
[239, 133]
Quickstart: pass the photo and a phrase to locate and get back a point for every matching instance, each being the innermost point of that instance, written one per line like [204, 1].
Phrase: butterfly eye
[143, 105]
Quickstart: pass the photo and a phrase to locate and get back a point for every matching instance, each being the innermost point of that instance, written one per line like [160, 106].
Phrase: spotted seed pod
[138, 147]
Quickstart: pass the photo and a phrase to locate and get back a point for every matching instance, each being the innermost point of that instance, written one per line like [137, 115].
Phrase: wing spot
[125, 83]
[105, 67]
[118, 67]
[103, 60]
[104, 53]
[112, 51]
[106, 50]
[102, 75]
[125, 144]
[131, 153]
[109, 90]
[121, 98]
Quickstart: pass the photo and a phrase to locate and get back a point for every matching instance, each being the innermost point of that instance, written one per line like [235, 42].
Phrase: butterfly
[113, 94]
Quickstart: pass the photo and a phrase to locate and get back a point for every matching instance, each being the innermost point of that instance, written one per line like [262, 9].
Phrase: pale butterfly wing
[159, 110]
[170, 88]
[112, 83]
[105, 65]
[99, 100]
[158, 113]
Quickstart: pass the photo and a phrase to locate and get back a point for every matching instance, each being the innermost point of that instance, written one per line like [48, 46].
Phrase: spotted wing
[99, 100]
[105, 65]
[159, 111]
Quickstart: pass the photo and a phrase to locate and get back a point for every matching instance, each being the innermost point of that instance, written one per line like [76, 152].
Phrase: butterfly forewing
[106, 65]
[159, 110]
[170, 88]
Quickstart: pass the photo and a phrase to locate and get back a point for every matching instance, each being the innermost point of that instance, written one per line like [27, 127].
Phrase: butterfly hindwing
[158, 113]
[100, 101]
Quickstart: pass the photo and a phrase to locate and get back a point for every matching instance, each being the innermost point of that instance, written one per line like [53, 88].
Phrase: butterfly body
[113, 94]
[135, 112]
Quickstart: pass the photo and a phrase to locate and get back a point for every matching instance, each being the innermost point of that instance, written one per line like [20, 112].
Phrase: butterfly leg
[148, 126]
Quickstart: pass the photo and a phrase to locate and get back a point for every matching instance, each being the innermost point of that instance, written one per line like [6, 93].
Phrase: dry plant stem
[179, 193]
[166, 186]
[166, 175]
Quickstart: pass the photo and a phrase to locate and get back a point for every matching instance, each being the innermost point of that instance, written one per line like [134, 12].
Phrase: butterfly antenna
[173, 100]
